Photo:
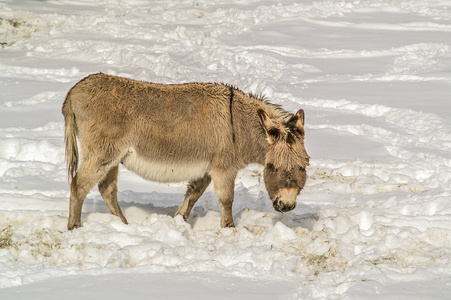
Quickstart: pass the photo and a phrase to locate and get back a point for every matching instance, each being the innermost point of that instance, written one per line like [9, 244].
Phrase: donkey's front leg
[224, 185]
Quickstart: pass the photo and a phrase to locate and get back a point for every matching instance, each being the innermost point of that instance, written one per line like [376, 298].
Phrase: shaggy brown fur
[194, 132]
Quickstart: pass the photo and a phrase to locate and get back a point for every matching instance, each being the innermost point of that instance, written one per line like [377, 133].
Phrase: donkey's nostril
[290, 207]
[276, 204]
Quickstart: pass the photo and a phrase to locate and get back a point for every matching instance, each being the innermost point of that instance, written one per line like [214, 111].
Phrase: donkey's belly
[165, 172]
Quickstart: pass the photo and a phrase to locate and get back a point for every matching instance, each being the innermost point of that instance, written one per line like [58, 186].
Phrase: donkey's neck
[250, 137]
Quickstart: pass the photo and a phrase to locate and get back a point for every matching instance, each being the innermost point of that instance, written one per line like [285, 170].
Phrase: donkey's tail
[70, 138]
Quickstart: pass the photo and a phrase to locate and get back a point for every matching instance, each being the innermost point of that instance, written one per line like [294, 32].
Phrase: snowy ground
[374, 220]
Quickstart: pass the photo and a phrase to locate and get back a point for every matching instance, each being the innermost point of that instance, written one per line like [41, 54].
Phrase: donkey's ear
[300, 118]
[264, 119]
[270, 127]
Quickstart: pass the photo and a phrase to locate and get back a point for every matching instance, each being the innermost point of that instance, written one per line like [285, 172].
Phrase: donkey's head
[286, 159]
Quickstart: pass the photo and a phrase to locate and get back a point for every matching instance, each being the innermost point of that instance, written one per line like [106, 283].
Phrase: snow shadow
[247, 208]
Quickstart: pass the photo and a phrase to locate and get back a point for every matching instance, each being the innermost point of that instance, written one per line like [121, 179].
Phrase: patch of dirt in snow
[18, 28]
[5, 237]
[12, 30]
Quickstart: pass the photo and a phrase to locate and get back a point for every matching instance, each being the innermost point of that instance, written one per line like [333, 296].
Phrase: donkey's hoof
[70, 227]
[184, 216]
[228, 224]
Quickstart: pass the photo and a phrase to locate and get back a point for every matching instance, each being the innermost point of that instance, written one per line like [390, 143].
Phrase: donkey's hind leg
[108, 190]
[88, 175]
[195, 189]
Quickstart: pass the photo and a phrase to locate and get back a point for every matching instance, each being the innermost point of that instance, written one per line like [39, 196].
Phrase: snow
[374, 219]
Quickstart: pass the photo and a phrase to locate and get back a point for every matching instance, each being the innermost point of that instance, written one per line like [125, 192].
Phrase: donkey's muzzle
[280, 206]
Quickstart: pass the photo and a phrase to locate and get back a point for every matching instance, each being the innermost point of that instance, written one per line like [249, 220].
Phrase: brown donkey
[195, 132]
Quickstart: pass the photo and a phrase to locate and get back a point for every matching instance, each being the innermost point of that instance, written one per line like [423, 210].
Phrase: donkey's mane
[263, 99]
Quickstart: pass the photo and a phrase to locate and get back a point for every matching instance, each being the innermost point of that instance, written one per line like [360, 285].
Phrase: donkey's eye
[270, 167]
[291, 139]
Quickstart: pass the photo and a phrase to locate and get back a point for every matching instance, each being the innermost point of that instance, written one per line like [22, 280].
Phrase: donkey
[195, 132]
